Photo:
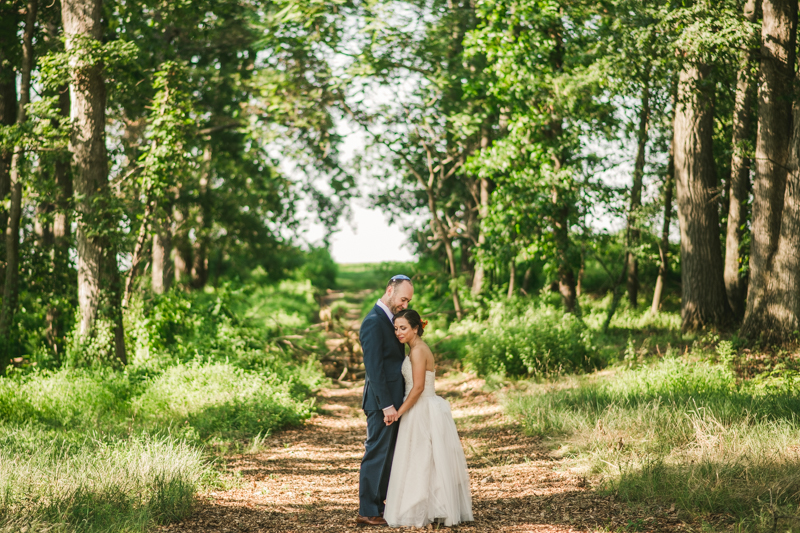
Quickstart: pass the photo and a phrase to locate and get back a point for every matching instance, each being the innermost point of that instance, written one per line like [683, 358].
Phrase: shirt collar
[386, 310]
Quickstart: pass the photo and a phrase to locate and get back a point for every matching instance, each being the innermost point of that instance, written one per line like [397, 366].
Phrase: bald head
[398, 295]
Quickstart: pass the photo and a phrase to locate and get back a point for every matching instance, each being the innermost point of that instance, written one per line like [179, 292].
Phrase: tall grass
[123, 485]
[103, 449]
[680, 431]
[219, 400]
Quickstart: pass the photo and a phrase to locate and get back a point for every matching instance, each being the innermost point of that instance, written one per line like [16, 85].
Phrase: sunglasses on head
[400, 277]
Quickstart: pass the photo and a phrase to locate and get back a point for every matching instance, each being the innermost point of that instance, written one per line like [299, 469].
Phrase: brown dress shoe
[364, 521]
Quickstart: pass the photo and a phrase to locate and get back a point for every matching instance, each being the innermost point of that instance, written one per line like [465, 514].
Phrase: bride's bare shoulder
[421, 348]
[422, 353]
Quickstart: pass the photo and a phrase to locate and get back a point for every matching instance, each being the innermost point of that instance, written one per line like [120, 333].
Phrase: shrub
[219, 399]
[537, 340]
[72, 399]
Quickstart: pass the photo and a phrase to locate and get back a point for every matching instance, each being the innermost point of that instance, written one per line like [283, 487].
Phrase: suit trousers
[376, 465]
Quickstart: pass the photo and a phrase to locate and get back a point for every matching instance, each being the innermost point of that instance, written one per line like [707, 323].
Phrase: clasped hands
[390, 416]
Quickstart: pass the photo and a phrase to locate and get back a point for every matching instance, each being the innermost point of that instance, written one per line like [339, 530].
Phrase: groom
[383, 394]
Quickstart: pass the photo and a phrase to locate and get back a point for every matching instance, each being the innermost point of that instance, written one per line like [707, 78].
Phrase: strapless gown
[429, 480]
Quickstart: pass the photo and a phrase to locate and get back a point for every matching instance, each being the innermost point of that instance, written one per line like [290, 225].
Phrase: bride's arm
[418, 363]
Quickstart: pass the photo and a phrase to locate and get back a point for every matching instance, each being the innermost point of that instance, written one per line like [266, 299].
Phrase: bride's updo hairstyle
[414, 320]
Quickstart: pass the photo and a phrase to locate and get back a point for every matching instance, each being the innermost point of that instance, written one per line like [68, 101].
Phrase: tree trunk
[9, 14]
[483, 211]
[566, 277]
[466, 259]
[663, 245]
[775, 95]
[138, 250]
[561, 204]
[203, 227]
[735, 285]
[182, 247]
[43, 230]
[780, 321]
[162, 249]
[511, 278]
[526, 281]
[82, 21]
[61, 234]
[703, 299]
[636, 196]
[11, 289]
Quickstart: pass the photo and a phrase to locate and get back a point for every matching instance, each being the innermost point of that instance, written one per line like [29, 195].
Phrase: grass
[682, 431]
[96, 485]
[97, 448]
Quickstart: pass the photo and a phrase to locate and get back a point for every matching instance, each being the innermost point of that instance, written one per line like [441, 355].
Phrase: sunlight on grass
[124, 485]
[680, 431]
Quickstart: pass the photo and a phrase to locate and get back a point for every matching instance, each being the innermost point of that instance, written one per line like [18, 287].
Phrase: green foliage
[96, 486]
[521, 339]
[678, 431]
[219, 400]
[67, 399]
[123, 448]
[319, 268]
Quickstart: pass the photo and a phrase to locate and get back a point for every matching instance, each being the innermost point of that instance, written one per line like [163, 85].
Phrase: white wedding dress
[429, 480]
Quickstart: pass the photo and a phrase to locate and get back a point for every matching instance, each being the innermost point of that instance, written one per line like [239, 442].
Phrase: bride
[429, 481]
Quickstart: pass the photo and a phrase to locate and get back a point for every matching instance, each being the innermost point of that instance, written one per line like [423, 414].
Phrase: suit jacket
[383, 360]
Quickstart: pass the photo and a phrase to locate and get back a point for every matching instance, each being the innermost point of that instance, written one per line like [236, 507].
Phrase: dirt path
[307, 478]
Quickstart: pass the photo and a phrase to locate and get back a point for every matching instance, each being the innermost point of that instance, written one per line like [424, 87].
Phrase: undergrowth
[93, 447]
[684, 431]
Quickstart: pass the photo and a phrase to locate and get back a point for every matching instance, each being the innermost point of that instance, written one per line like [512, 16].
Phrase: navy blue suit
[383, 387]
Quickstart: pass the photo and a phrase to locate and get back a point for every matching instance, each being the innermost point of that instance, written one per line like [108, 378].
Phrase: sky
[367, 237]
[370, 239]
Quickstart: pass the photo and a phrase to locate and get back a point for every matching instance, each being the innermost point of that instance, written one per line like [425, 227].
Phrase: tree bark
[162, 248]
[775, 94]
[9, 14]
[96, 256]
[61, 233]
[703, 300]
[566, 277]
[735, 285]
[203, 227]
[181, 246]
[138, 251]
[483, 212]
[636, 195]
[438, 228]
[512, 275]
[780, 322]
[663, 245]
[11, 289]
[561, 205]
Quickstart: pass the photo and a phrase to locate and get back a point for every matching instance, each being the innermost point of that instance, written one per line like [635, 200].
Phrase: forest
[602, 197]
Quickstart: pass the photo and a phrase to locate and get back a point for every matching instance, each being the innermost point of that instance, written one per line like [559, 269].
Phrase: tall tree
[735, 283]
[775, 96]
[9, 19]
[633, 236]
[703, 298]
[98, 276]
[11, 289]
[663, 244]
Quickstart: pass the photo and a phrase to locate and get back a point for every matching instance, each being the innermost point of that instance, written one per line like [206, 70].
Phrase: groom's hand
[390, 415]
